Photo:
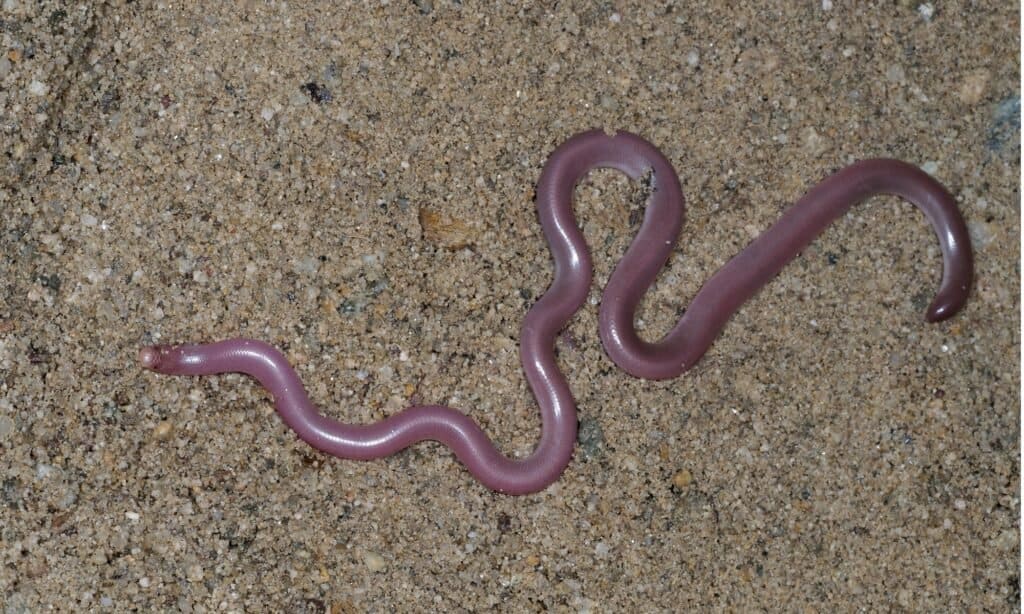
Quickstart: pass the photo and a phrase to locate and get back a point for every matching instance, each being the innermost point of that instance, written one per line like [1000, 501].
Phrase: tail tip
[943, 310]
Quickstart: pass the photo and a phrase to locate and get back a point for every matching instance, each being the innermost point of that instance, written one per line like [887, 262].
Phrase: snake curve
[679, 350]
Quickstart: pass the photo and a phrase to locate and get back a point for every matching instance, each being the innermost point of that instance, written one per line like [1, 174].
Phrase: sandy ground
[354, 184]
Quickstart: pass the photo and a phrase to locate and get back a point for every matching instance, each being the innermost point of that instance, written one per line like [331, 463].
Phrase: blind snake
[679, 350]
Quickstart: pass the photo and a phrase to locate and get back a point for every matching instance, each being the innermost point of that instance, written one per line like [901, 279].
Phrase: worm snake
[679, 350]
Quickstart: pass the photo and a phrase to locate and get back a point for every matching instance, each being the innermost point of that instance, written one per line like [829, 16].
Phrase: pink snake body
[711, 308]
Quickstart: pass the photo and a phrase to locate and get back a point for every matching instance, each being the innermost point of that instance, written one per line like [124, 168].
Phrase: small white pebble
[308, 265]
[926, 10]
[200, 276]
[960, 504]
[95, 276]
[106, 602]
[895, 73]
[826, 5]
[89, 220]
[931, 167]
[144, 582]
[133, 516]
[276, 226]
[630, 463]
[267, 114]
[615, 18]
[374, 562]
[981, 233]
[38, 88]
[814, 142]
[1007, 540]
[693, 57]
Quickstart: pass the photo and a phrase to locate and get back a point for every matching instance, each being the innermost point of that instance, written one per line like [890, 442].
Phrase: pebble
[38, 88]
[6, 427]
[163, 431]
[36, 568]
[972, 86]
[374, 562]
[1006, 540]
[194, 573]
[682, 479]
[981, 235]
[895, 73]
[444, 231]
[814, 142]
[591, 438]
[308, 265]
[68, 498]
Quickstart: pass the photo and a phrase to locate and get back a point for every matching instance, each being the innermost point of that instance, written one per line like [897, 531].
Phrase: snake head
[151, 355]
